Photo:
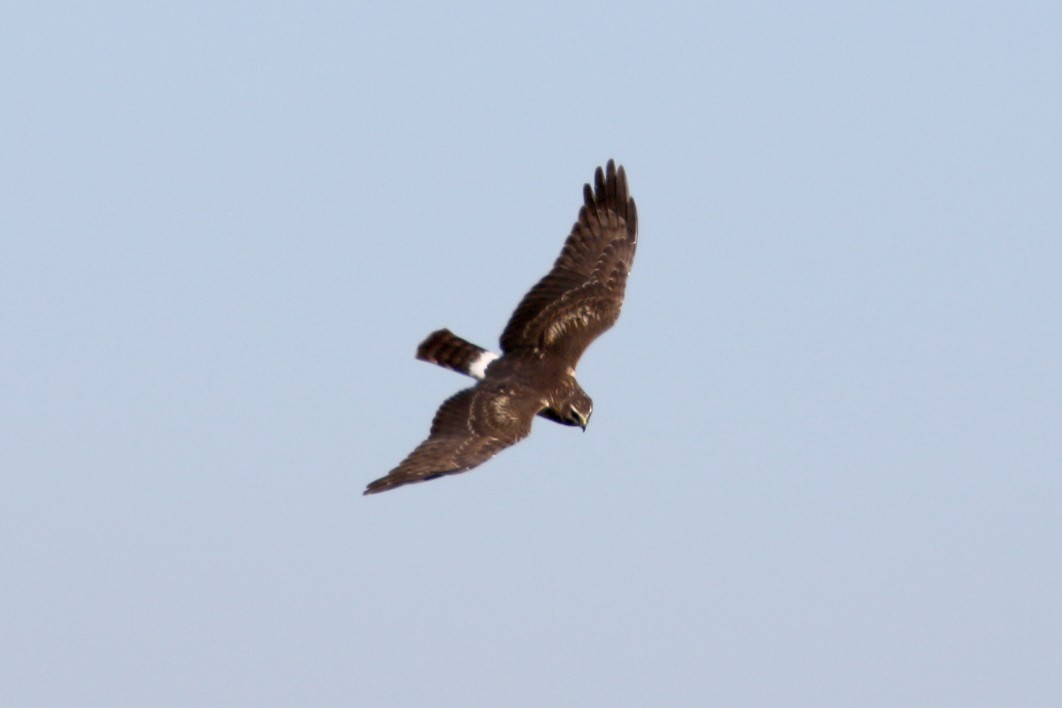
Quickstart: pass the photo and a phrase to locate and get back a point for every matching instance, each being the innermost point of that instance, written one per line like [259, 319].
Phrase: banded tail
[446, 349]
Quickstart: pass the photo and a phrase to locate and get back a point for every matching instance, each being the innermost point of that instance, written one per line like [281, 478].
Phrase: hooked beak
[583, 420]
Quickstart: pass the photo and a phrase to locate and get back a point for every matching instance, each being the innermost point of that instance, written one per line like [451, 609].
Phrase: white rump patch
[478, 368]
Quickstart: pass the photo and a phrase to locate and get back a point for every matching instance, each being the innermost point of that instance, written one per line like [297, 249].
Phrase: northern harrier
[551, 328]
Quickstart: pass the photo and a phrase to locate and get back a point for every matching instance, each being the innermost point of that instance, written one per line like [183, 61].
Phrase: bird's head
[577, 409]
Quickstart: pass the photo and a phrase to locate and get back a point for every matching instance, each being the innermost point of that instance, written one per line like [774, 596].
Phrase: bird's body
[541, 345]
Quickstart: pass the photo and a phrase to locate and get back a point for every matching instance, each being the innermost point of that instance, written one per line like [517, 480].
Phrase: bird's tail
[446, 349]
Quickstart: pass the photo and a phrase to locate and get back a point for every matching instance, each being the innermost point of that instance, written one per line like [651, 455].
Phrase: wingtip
[610, 188]
[382, 484]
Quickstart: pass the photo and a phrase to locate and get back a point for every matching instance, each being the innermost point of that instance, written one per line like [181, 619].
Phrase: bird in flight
[541, 345]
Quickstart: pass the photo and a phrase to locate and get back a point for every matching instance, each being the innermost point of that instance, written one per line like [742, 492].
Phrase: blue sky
[824, 463]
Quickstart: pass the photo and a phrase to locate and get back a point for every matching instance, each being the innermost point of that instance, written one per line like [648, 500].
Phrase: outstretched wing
[581, 297]
[469, 428]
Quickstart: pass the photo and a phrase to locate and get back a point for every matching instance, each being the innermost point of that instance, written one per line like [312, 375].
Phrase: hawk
[541, 345]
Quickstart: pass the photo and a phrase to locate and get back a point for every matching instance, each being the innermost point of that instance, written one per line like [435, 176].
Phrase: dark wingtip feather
[377, 486]
[632, 218]
[609, 189]
[389, 482]
[610, 183]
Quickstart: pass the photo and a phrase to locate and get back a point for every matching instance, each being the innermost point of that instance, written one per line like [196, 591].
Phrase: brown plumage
[446, 349]
[542, 343]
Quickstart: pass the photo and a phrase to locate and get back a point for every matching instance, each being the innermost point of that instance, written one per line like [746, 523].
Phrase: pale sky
[825, 461]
